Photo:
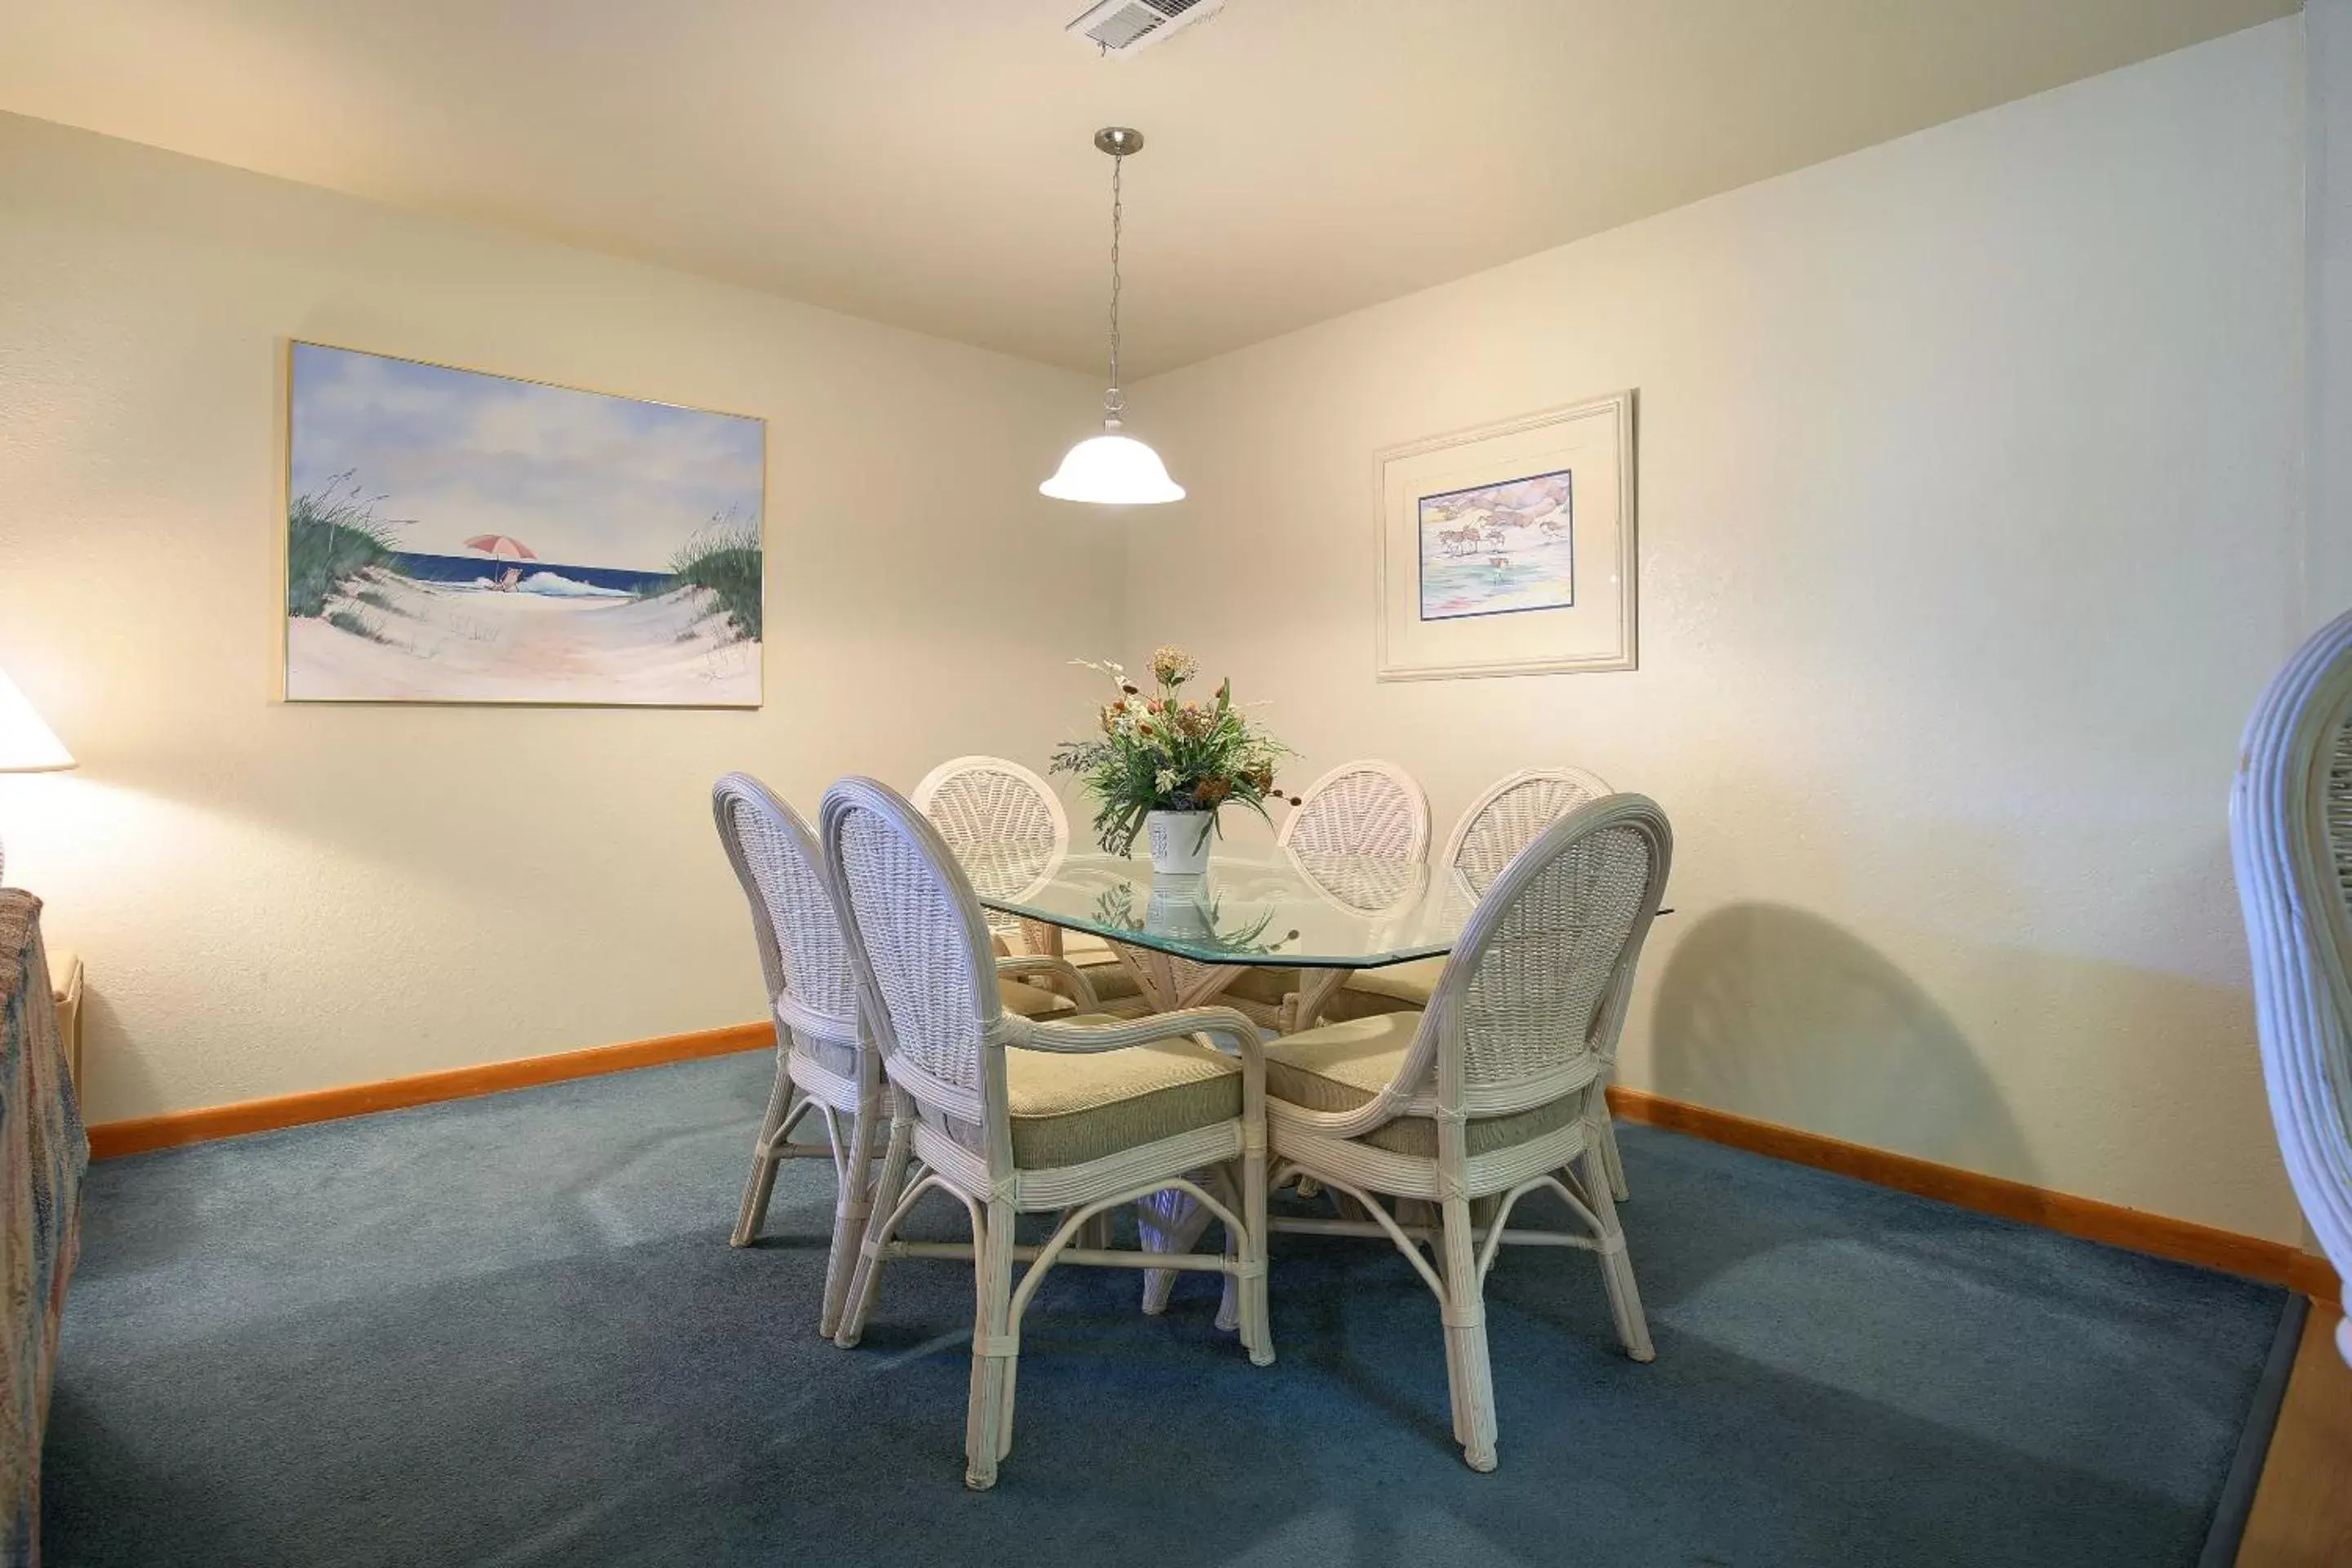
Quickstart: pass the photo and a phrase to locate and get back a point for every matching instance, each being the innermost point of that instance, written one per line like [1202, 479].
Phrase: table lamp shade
[26, 744]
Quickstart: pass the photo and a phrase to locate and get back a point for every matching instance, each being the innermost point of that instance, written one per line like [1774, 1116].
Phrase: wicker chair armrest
[1225, 1022]
[1065, 975]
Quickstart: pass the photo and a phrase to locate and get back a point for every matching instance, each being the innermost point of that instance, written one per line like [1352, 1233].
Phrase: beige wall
[275, 898]
[1970, 520]
[1968, 476]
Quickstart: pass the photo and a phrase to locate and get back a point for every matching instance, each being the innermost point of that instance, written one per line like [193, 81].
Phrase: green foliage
[332, 536]
[1169, 752]
[724, 559]
[352, 621]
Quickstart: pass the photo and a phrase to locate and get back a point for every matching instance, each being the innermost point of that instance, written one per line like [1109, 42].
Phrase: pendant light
[1112, 470]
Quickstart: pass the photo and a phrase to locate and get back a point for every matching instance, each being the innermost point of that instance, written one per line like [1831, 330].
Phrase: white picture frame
[1510, 549]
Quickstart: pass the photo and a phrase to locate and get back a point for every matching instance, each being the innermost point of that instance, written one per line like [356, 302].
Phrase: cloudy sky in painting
[583, 480]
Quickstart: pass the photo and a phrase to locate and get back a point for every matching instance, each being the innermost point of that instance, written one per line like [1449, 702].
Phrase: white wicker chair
[1506, 818]
[823, 1063]
[990, 810]
[1014, 1116]
[1367, 808]
[1494, 1093]
[1498, 825]
[2291, 835]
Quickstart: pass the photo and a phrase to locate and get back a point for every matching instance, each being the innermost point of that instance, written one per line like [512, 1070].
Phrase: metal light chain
[1115, 401]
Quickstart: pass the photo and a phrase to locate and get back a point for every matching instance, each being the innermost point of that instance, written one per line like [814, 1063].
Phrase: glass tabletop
[1269, 906]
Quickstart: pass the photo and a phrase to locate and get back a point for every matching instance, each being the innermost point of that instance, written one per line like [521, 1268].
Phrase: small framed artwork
[1508, 549]
[453, 536]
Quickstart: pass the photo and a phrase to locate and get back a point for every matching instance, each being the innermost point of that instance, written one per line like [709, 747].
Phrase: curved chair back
[1366, 808]
[1531, 1003]
[1004, 825]
[2290, 836]
[921, 949]
[1506, 818]
[811, 986]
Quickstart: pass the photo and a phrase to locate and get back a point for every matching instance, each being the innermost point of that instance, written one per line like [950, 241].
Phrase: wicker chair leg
[852, 1209]
[994, 1349]
[765, 1159]
[1468, 1374]
[867, 1278]
[1256, 1313]
[1612, 1161]
[1616, 1263]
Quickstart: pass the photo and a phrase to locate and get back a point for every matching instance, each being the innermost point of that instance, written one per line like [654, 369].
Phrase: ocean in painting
[458, 537]
[474, 571]
[1499, 549]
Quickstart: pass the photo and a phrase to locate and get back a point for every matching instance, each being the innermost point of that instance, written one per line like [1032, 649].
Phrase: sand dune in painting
[551, 643]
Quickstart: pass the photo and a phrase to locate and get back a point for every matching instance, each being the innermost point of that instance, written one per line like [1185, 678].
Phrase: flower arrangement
[1169, 752]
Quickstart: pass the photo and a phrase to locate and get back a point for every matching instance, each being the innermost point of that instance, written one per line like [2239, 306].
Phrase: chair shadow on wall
[1775, 1013]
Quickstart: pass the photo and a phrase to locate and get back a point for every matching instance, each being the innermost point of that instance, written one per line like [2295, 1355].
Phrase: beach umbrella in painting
[500, 547]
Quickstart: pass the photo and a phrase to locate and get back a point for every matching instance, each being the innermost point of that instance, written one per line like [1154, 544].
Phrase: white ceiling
[928, 162]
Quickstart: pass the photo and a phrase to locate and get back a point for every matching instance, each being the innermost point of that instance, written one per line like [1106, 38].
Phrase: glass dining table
[1187, 937]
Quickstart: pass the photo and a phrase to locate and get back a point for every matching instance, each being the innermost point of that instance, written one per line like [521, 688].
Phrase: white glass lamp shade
[1112, 470]
[26, 744]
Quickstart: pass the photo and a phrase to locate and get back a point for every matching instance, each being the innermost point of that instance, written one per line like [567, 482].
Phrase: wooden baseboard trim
[136, 1136]
[2181, 1239]
[2087, 1217]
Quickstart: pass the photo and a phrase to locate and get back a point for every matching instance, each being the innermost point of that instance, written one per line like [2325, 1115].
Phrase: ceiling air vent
[1123, 26]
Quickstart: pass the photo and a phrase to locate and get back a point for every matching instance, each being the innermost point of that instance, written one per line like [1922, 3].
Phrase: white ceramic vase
[1179, 841]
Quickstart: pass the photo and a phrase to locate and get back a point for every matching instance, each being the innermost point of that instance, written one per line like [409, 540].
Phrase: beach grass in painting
[457, 537]
[1499, 549]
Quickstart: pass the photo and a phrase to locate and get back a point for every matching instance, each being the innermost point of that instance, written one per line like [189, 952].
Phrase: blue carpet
[510, 1331]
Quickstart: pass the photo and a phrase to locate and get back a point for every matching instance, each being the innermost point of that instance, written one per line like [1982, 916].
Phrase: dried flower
[1172, 666]
[1165, 751]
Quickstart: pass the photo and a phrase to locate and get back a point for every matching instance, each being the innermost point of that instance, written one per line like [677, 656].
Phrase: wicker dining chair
[1498, 825]
[822, 1062]
[2290, 836]
[1012, 1115]
[1492, 1093]
[988, 810]
[1368, 809]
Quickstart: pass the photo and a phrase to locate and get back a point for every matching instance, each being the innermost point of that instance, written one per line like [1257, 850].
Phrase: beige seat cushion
[1410, 982]
[1344, 1067]
[1111, 979]
[1033, 1001]
[1069, 1109]
[1265, 986]
[1083, 948]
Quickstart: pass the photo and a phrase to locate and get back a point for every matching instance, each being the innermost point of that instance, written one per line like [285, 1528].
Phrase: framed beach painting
[1508, 549]
[453, 536]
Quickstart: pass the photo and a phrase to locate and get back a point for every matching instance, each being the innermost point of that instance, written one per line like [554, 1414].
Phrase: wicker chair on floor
[1012, 1115]
[995, 814]
[2291, 836]
[1492, 1093]
[1498, 825]
[1366, 808]
[821, 1062]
